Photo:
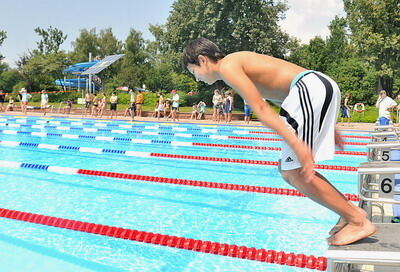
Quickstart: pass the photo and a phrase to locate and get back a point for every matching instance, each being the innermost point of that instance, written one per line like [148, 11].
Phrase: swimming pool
[177, 187]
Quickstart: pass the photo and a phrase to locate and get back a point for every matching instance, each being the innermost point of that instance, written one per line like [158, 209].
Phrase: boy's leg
[322, 192]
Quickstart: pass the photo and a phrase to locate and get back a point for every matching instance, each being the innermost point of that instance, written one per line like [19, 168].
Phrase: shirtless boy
[309, 102]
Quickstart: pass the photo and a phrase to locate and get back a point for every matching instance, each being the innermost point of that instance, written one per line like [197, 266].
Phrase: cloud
[306, 19]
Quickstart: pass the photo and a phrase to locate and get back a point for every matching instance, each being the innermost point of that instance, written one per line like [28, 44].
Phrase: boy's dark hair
[201, 46]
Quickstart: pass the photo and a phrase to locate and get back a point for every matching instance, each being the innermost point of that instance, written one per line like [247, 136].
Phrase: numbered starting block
[379, 127]
[381, 151]
[377, 182]
[385, 136]
[377, 185]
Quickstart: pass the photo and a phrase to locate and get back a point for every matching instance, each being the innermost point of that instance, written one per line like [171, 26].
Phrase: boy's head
[198, 55]
[203, 47]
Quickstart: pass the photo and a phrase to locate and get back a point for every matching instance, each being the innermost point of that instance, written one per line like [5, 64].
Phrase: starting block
[380, 151]
[384, 136]
[376, 183]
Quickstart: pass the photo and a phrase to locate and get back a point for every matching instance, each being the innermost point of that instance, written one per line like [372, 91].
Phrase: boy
[309, 101]
[175, 105]
[44, 100]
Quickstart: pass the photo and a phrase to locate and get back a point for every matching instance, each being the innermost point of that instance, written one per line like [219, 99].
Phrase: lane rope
[154, 127]
[166, 142]
[142, 154]
[216, 248]
[176, 181]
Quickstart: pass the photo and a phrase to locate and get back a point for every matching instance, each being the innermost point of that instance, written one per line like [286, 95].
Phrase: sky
[304, 19]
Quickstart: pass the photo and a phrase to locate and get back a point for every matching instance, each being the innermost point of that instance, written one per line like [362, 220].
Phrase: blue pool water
[282, 223]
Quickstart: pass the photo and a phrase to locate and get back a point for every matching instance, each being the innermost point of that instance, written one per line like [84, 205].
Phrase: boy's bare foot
[342, 222]
[352, 233]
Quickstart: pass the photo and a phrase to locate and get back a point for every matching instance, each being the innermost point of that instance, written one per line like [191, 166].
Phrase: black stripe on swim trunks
[328, 98]
[306, 108]
[291, 121]
[307, 98]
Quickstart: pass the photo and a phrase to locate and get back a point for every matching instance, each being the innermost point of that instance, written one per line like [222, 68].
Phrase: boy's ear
[202, 59]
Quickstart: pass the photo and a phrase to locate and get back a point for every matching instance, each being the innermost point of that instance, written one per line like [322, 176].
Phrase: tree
[52, 38]
[375, 28]
[40, 71]
[134, 64]
[312, 56]
[233, 25]
[3, 36]
[356, 77]
[8, 79]
[109, 45]
[338, 44]
[86, 43]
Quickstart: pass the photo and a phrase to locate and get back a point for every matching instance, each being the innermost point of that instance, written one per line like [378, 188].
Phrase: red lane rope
[189, 157]
[235, 251]
[279, 140]
[354, 143]
[271, 148]
[344, 136]
[205, 184]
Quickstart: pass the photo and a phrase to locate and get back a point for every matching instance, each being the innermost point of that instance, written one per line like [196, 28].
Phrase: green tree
[134, 65]
[356, 77]
[86, 43]
[337, 44]
[3, 66]
[51, 39]
[40, 71]
[312, 56]
[108, 44]
[375, 27]
[8, 79]
[3, 36]
[233, 25]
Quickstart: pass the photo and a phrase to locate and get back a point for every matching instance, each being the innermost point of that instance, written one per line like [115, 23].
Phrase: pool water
[276, 222]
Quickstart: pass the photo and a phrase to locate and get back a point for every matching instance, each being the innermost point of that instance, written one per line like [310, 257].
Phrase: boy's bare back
[270, 75]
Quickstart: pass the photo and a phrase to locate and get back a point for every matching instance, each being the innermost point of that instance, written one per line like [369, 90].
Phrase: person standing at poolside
[202, 109]
[216, 100]
[113, 105]
[345, 109]
[384, 104]
[139, 103]
[103, 104]
[161, 105]
[11, 104]
[2, 99]
[175, 106]
[44, 101]
[228, 107]
[247, 113]
[309, 102]
[25, 96]
[88, 102]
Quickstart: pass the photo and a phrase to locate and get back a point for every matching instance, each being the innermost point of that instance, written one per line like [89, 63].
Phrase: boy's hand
[339, 140]
[304, 155]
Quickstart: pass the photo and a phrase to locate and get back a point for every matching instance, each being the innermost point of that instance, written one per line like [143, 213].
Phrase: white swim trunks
[311, 111]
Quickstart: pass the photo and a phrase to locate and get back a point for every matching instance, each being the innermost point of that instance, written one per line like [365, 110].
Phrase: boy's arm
[234, 76]
[378, 102]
